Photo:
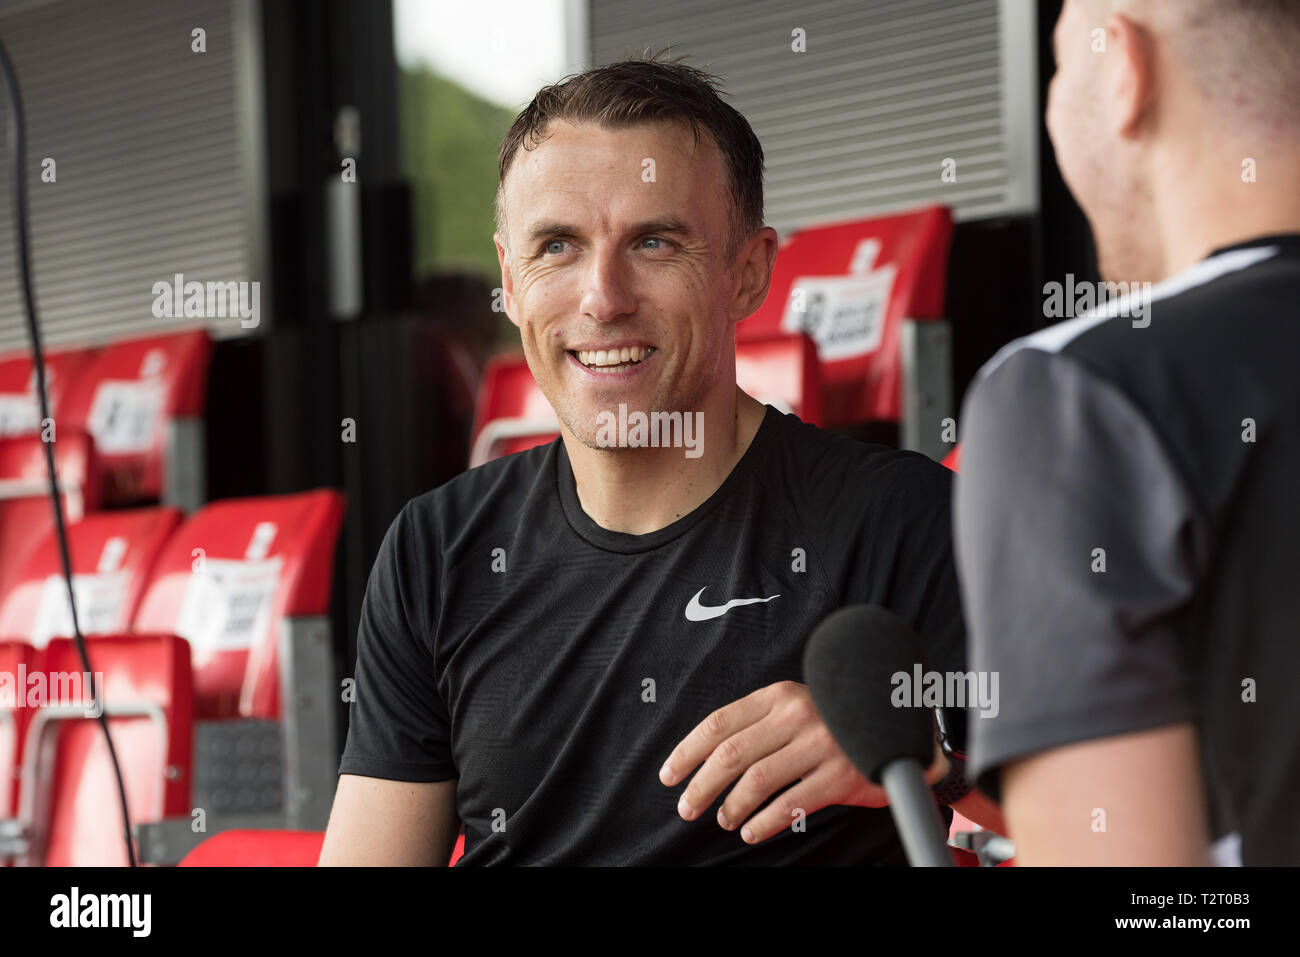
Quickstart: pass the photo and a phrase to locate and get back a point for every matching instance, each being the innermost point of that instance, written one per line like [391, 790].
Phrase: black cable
[17, 130]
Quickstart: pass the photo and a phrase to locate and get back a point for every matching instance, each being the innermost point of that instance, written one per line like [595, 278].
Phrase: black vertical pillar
[324, 60]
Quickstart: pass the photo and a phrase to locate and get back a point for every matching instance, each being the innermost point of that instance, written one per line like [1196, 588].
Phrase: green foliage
[450, 139]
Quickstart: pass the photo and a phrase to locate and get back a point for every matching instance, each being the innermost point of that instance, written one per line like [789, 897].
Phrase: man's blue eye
[655, 239]
[554, 242]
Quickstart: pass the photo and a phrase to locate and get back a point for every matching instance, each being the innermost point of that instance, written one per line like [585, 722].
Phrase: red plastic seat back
[257, 849]
[225, 580]
[126, 397]
[112, 555]
[23, 470]
[507, 390]
[18, 661]
[26, 515]
[953, 459]
[850, 286]
[19, 410]
[270, 849]
[783, 371]
[964, 858]
[511, 413]
[146, 674]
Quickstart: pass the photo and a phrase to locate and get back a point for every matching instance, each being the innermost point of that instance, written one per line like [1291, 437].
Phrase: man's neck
[641, 490]
[1204, 205]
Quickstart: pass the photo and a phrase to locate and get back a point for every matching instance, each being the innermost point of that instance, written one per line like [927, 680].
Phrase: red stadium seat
[228, 578]
[964, 858]
[112, 556]
[247, 584]
[513, 415]
[269, 848]
[19, 410]
[851, 286]
[248, 848]
[782, 371]
[26, 515]
[142, 401]
[17, 660]
[67, 800]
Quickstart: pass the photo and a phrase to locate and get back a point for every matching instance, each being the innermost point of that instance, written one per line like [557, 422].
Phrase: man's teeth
[593, 358]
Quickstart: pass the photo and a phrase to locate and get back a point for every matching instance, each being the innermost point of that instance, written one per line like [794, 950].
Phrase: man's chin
[605, 425]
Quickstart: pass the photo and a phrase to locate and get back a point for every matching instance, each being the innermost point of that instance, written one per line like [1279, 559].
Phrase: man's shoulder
[1183, 323]
[834, 467]
[492, 488]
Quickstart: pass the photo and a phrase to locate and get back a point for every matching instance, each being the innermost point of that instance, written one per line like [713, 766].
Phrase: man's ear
[1131, 79]
[754, 273]
[507, 280]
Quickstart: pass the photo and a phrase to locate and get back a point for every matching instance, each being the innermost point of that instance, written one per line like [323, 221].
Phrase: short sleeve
[398, 724]
[1076, 544]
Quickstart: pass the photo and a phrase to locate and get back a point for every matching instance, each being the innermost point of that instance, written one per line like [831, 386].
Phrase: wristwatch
[954, 786]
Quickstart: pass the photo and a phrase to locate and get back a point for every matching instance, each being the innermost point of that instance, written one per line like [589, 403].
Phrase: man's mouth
[612, 360]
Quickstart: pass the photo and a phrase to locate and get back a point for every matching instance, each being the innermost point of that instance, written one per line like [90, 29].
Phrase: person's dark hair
[649, 89]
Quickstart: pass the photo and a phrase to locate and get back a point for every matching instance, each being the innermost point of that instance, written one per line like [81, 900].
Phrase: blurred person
[578, 649]
[1126, 517]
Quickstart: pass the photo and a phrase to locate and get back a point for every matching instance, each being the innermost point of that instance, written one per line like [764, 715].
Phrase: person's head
[630, 214]
[1151, 97]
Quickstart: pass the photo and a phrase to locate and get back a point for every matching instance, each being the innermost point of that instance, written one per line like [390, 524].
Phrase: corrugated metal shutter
[860, 123]
[145, 137]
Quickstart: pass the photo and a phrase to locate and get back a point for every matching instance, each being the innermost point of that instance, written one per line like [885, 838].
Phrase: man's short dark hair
[649, 89]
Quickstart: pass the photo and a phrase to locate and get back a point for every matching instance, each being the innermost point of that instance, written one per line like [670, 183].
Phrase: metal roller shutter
[153, 159]
[860, 123]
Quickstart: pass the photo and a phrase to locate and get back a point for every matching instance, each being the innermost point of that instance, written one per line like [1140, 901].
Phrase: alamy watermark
[655, 430]
[215, 300]
[1069, 299]
[39, 689]
[946, 689]
[75, 909]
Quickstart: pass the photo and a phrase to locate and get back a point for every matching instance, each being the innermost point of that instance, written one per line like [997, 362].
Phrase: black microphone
[849, 666]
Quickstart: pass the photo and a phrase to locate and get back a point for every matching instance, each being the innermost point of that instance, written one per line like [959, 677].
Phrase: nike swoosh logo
[697, 612]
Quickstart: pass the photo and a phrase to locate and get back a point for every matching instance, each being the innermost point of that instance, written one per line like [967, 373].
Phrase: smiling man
[590, 653]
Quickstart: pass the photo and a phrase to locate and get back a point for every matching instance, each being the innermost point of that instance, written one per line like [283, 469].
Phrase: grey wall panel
[152, 159]
[861, 122]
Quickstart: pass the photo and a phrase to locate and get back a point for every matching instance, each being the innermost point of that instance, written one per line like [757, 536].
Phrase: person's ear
[507, 280]
[756, 259]
[1131, 79]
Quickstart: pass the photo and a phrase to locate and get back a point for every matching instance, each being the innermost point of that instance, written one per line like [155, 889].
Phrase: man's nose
[607, 286]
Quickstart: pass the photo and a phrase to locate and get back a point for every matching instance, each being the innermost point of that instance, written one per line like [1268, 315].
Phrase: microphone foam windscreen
[852, 666]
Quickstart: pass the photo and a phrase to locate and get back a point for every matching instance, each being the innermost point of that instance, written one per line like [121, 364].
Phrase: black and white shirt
[1128, 535]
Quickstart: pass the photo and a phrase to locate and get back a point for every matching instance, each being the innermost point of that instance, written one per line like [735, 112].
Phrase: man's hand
[769, 739]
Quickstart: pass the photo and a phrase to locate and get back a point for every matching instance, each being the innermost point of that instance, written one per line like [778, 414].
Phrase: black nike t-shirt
[547, 663]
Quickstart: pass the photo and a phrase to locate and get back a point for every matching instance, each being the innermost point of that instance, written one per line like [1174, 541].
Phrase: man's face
[1100, 166]
[616, 242]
